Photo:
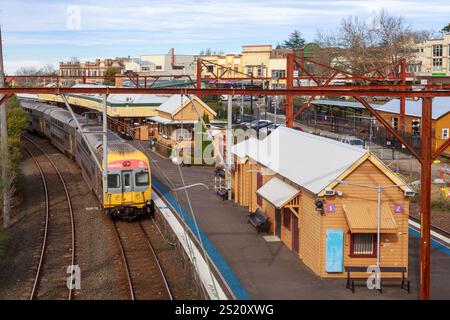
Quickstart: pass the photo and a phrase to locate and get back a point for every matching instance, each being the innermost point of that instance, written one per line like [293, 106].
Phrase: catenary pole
[229, 143]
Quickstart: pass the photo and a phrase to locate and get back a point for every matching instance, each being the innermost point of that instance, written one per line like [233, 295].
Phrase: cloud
[11, 66]
[136, 27]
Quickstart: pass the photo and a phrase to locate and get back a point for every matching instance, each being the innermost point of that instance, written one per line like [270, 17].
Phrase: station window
[445, 133]
[437, 64]
[287, 218]
[437, 50]
[394, 123]
[416, 127]
[363, 245]
[142, 179]
[113, 181]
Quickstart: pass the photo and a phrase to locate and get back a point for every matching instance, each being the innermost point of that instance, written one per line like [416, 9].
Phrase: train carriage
[127, 193]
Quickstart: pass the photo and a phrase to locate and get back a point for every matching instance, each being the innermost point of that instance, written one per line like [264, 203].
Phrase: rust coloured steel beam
[425, 198]
[441, 149]
[289, 112]
[295, 91]
[388, 126]
[4, 98]
[308, 103]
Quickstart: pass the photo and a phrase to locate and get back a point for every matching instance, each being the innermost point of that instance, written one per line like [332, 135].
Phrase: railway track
[58, 244]
[145, 276]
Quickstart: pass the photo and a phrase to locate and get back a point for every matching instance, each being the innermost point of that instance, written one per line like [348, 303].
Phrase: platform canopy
[363, 218]
[277, 192]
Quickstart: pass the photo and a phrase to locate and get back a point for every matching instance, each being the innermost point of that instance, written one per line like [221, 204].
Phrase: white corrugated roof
[129, 99]
[173, 104]
[441, 106]
[159, 119]
[242, 149]
[305, 159]
[277, 192]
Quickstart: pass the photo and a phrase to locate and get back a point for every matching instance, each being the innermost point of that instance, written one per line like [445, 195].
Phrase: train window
[126, 180]
[142, 179]
[113, 181]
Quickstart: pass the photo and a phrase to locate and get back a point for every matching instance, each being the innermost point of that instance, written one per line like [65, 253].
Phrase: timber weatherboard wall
[313, 226]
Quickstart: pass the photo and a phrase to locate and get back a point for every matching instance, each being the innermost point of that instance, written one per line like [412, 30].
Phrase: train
[127, 193]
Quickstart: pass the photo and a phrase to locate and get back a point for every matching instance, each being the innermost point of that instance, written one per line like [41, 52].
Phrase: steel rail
[161, 271]
[44, 241]
[125, 261]
[433, 227]
[69, 202]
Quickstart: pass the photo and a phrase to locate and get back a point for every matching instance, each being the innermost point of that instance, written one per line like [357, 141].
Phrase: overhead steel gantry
[395, 88]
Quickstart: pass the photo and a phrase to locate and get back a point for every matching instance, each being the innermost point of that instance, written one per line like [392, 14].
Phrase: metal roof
[173, 104]
[129, 99]
[277, 192]
[339, 103]
[441, 106]
[363, 218]
[308, 160]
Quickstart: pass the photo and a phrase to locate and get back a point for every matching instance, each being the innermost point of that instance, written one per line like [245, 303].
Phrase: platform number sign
[331, 208]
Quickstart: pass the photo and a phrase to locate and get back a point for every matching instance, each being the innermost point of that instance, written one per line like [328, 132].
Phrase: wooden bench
[258, 220]
[402, 270]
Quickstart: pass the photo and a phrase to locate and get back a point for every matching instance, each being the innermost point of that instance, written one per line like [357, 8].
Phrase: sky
[40, 32]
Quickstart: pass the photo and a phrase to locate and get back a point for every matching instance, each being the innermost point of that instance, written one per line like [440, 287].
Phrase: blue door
[335, 250]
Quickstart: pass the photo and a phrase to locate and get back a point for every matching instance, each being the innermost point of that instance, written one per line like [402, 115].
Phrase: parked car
[241, 118]
[353, 141]
[259, 124]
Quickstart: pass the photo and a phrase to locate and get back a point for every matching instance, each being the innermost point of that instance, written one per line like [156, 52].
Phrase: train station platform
[258, 267]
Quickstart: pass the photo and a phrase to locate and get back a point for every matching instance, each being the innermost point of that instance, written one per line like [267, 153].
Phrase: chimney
[172, 56]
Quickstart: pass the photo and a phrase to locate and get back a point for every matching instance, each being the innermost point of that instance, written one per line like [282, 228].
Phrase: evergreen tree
[446, 28]
[110, 79]
[295, 40]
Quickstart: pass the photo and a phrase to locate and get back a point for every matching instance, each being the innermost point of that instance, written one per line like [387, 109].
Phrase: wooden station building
[286, 174]
[176, 113]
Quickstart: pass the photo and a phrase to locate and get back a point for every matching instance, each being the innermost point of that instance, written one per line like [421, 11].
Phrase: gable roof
[308, 160]
[177, 102]
[441, 106]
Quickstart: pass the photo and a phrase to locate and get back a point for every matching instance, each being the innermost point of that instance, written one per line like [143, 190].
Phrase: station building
[176, 113]
[390, 111]
[143, 115]
[292, 178]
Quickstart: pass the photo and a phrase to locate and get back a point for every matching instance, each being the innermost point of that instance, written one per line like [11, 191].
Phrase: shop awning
[277, 192]
[363, 218]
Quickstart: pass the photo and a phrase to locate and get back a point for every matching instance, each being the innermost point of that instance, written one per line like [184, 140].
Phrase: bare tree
[363, 45]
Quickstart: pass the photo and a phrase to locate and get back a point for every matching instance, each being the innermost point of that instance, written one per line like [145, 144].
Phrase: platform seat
[258, 220]
[400, 270]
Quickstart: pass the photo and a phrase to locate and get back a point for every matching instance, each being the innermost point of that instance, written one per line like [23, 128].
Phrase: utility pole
[229, 143]
[4, 148]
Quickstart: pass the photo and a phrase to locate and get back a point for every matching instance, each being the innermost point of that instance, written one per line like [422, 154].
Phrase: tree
[295, 40]
[446, 28]
[110, 79]
[363, 45]
[17, 121]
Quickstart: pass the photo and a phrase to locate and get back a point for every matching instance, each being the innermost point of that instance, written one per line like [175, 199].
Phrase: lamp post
[378, 189]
